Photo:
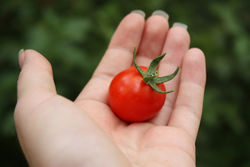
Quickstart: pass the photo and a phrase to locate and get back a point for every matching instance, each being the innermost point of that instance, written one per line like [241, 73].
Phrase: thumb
[35, 82]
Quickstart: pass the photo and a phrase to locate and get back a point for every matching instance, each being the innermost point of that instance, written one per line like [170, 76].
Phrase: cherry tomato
[131, 99]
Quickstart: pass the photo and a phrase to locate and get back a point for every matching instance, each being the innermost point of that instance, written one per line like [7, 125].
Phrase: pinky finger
[189, 102]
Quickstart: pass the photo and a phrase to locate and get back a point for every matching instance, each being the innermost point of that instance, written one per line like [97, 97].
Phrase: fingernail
[21, 57]
[140, 12]
[178, 24]
[161, 13]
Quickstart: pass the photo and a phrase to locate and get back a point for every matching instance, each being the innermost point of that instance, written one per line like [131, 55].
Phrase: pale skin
[54, 131]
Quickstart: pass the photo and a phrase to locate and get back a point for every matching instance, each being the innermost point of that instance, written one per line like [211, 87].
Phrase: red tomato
[131, 99]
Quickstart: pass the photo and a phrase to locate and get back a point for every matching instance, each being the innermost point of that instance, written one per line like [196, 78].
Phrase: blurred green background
[74, 34]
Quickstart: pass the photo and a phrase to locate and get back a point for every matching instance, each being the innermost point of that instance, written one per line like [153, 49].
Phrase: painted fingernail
[161, 13]
[179, 24]
[21, 57]
[140, 12]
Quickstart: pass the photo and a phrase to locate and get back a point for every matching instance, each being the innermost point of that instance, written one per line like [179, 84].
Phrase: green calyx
[150, 77]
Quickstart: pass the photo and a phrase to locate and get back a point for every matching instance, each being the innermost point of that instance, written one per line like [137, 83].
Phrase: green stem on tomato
[150, 77]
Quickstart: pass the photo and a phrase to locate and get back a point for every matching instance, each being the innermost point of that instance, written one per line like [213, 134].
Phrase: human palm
[54, 131]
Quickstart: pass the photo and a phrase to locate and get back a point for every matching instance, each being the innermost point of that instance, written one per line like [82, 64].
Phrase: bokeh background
[74, 34]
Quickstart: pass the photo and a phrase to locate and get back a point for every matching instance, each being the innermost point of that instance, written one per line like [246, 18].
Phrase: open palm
[54, 131]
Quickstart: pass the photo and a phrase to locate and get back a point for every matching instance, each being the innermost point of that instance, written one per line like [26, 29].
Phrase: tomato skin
[131, 99]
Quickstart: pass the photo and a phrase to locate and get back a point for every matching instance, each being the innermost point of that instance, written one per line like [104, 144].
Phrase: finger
[35, 82]
[188, 107]
[175, 47]
[117, 57]
[153, 39]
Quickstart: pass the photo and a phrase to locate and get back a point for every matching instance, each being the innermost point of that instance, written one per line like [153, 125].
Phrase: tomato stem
[150, 77]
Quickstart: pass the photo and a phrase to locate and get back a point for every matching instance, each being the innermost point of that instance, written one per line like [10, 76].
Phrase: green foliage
[73, 35]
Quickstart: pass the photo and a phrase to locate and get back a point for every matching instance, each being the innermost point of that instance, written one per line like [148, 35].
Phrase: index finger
[117, 57]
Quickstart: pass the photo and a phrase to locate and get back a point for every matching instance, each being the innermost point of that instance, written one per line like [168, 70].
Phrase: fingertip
[179, 37]
[154, 36]
[195, 66]
[36, 74]
[33, 53]
[135, 17]
[133, 22]
[36, 60]
[157, 25]
[176, 45]
[129, 32]
[195, 56]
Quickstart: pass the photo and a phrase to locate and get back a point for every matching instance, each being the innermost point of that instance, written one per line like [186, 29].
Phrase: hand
[54, 131]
